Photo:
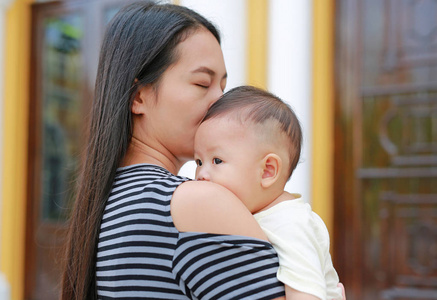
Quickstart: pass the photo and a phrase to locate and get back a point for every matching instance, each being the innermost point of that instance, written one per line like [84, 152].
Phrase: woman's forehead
[200, 51]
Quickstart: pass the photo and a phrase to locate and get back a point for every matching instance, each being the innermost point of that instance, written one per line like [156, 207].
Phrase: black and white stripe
[226, 267]
[141, 255]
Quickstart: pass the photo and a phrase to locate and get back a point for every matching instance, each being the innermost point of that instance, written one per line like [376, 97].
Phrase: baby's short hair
[248, 103]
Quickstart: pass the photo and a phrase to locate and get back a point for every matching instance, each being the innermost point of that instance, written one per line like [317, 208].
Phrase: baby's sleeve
[210, 266]
[331, 276]
[301, 240]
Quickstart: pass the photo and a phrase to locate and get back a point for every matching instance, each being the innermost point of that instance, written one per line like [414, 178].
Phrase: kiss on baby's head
[272, 119]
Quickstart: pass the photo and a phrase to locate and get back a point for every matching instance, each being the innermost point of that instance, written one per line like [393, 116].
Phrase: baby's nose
[202, 175]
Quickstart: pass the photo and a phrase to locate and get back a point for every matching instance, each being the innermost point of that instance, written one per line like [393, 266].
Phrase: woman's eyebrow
[207, 71]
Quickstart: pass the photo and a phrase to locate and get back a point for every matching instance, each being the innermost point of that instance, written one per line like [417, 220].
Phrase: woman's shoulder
[201, 206]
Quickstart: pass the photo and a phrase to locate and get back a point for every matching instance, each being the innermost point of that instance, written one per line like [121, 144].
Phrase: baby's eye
[198, 162]
[217, 161]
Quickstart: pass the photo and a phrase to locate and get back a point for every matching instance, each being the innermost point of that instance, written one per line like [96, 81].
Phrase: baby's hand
[343, 292]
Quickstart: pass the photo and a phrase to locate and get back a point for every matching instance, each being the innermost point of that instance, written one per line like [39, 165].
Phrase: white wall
[289, 74]
[230, 18]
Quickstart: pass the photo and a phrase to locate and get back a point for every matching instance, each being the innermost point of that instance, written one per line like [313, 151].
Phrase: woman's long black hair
[138, 46]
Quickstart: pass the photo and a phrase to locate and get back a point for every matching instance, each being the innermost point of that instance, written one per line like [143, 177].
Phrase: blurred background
[360, 74]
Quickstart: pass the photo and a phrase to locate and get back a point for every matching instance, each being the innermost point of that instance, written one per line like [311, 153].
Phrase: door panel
[65, 44]
[386, 148]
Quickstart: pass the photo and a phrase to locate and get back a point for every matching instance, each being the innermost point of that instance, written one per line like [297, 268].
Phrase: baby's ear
[272, 166]
[143, 96]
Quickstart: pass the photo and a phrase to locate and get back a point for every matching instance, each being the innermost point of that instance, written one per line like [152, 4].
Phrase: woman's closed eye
[216, 161]
[204, 86]
[203, 83]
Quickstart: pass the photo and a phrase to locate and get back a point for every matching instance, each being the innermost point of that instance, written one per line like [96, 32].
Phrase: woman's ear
[272, 166]
[144, 95]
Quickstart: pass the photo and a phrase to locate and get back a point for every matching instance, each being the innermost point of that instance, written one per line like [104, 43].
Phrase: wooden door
[386, 148]
[66, 38]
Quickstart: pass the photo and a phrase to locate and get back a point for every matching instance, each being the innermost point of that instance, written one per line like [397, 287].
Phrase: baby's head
[249, 142]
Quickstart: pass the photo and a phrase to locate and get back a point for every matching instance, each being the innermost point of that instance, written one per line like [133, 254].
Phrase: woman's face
[184, 93]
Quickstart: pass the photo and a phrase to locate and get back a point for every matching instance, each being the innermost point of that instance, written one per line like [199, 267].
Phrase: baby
[250, 143]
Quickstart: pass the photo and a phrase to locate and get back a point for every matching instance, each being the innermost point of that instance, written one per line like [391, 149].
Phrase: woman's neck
[139, 152]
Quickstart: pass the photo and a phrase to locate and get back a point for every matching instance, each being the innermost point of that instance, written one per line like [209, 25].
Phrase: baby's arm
[292, 294]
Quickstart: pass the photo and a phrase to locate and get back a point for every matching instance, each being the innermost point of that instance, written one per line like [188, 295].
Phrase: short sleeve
[211, 266]
[301, 240]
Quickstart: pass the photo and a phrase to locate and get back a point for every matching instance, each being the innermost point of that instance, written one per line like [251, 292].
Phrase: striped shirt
[141, 255]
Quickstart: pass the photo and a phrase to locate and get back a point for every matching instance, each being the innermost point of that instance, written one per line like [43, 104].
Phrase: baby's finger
[343, 292]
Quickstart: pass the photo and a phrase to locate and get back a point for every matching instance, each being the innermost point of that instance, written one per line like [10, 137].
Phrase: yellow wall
[15, 130]
[257, 17]
[323, 110]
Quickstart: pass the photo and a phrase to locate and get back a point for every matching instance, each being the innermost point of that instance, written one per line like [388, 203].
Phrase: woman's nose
[216, 94]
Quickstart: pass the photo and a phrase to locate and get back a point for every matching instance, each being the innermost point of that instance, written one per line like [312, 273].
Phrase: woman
[136, 228]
